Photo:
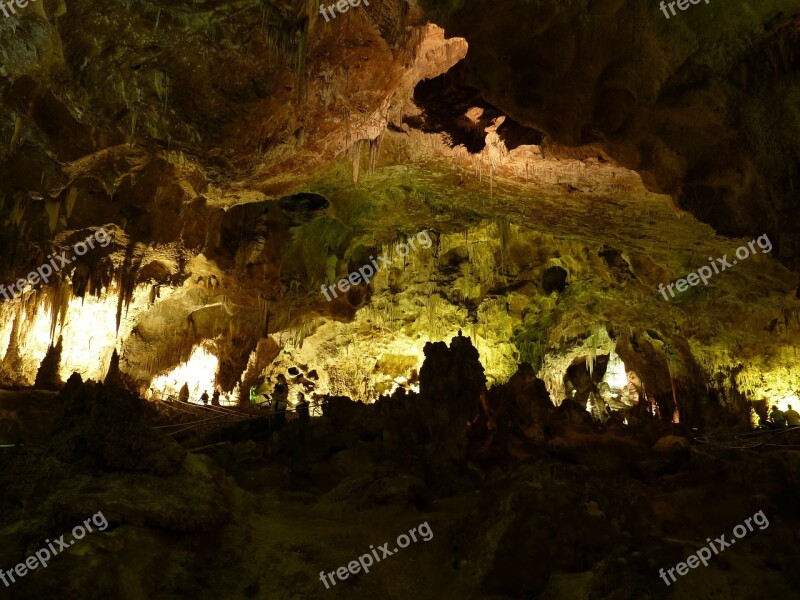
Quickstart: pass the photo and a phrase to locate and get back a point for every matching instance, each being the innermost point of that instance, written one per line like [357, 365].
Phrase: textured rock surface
[703, 105]
[240, 157]
[565, 158]
[577, 511]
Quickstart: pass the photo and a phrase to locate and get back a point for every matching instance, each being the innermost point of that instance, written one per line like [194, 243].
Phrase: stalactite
[374, 150]
[60, 298]
[161, 82]
[286, 30]
[69, 200]
[676, 413]
[432, 313]
[356, 158]
[52, 209]
[594, 344]
[125, 278]
[504, 234]
[301, 58]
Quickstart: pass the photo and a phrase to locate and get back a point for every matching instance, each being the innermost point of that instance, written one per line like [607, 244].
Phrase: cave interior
[282, 281]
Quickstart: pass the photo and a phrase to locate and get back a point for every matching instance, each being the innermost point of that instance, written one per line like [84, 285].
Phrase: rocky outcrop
[104, 428]
[692, 103]
[451, 386]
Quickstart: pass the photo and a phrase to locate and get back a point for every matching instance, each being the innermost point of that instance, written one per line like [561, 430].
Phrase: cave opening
[449, 105]
[554, 280]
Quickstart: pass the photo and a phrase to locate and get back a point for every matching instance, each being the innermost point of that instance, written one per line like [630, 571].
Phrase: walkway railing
[238, 414]
[749, 439]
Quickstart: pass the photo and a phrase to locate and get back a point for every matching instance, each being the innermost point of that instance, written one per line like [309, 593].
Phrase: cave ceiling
[242, 156]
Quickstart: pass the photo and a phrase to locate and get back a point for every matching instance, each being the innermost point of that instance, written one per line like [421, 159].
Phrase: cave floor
[588, 514]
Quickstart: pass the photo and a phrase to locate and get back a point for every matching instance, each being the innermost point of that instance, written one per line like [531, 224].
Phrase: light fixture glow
[616, 375]
[199, 373]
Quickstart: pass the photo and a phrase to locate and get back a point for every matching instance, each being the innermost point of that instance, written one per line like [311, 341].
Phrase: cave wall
[704, 105]
[237, 183]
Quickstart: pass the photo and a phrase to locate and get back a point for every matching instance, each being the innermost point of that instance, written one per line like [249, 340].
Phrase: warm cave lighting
[34, 339]
[619, 380]
[199, 372]
[616, 375]
[88, 337]
[86, 326]
[402, 382]
[783, 403]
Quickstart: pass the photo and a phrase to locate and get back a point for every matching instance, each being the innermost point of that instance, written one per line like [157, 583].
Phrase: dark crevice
[554, 280]
[445, 102]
